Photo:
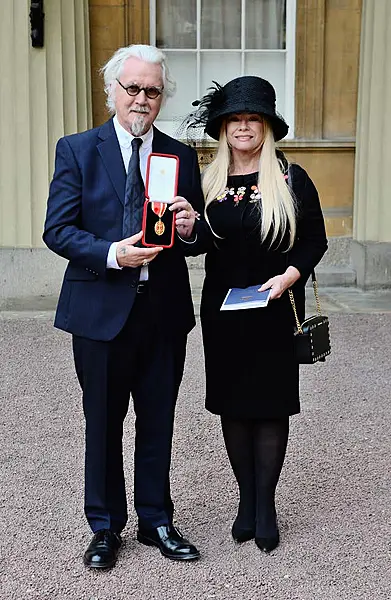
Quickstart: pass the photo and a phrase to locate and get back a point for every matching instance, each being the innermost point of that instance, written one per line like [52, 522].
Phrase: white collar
[125, 138]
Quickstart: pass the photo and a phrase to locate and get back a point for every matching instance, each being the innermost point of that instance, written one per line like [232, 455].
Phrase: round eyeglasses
[151, 92]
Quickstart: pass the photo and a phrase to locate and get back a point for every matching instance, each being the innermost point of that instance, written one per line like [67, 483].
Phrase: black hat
[247, 94]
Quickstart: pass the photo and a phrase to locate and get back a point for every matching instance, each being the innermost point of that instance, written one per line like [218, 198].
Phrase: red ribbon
[159, 208]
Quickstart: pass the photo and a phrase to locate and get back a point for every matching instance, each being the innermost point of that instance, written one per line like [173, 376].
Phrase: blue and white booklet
[240, 298]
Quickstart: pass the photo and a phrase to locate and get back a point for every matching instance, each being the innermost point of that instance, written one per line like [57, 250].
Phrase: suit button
[133, 284]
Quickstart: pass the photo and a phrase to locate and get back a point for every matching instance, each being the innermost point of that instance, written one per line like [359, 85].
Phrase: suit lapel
[160, 142]
[110, 153]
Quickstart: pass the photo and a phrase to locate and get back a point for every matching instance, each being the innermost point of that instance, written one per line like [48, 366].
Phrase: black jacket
[241, 260]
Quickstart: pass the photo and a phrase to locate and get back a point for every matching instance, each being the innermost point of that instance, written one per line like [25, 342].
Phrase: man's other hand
[128, 255]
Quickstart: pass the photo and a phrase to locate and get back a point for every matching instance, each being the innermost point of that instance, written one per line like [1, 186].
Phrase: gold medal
[159, 209]
[159, 227]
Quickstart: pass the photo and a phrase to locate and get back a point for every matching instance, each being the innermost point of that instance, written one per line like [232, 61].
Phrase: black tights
[256, 450]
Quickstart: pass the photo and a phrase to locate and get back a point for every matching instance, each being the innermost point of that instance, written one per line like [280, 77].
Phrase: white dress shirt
[125, 142]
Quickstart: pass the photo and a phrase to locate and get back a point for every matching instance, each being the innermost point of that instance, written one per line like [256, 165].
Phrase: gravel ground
[333, 498]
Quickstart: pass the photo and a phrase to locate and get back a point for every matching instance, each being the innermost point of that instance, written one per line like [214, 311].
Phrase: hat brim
[278, 125]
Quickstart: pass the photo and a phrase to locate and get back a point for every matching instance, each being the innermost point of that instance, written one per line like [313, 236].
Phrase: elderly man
[128, 308]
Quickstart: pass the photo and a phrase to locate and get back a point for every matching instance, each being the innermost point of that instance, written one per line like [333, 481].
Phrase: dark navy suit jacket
[84, 216]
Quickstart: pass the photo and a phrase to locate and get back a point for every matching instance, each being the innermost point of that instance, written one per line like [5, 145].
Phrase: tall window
[217, 40]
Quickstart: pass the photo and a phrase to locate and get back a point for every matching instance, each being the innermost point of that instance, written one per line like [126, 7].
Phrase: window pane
[270, 66]
[265, 24]
[220, 24]
[220, 67]
[176, 24]
[183, 66]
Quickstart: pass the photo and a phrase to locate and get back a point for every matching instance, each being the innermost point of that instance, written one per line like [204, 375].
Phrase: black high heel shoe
[267, 535]
[241, 534]
[268, 544]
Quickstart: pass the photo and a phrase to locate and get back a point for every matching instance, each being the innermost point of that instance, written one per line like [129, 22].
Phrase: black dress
[250, 367]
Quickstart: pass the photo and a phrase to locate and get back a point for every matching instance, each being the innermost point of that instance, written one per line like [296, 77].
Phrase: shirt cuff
[111, 262]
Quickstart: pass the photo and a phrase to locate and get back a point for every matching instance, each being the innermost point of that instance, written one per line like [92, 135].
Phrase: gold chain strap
[292, 299]
[317, 302]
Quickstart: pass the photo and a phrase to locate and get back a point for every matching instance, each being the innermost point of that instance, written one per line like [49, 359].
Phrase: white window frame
[289, 51]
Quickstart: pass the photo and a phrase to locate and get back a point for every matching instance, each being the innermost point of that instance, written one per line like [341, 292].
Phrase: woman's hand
[185, 216]
[280, 283]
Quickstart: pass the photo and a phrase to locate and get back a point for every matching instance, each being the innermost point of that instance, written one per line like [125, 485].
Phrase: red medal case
[161, 184]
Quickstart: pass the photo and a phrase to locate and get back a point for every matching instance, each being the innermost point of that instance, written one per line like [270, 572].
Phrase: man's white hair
[112, 70]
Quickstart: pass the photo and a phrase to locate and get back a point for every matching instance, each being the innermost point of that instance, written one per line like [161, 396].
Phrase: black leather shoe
[103, 550]
[170, 542]
[267, 544]
[241, 535]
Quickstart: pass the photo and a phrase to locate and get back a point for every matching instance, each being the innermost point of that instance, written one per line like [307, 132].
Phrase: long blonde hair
[277, 203]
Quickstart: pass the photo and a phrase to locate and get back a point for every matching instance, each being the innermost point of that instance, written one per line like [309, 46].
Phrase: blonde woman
[264, 225]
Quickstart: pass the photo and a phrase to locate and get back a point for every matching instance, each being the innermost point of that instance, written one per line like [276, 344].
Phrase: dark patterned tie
[134, 193]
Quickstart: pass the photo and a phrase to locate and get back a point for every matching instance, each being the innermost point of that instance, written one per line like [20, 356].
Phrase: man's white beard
[139, 126]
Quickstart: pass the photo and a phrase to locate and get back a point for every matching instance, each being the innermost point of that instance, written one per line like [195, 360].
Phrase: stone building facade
[332, 64]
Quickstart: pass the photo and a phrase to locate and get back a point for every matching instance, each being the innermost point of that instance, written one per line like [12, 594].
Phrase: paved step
[335, 276]
[327, 276]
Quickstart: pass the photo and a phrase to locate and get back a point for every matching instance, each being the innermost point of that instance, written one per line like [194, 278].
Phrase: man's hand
[185, 216]
[130, 256]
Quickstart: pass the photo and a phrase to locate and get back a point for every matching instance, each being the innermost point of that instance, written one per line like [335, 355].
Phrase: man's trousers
[146, 363]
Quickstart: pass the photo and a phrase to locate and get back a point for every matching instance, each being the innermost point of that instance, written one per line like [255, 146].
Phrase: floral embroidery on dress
[238, 195]
[224, 196]
[255, 194]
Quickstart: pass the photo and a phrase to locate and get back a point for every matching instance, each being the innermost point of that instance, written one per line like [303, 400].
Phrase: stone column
[371, 247]
[45, 93]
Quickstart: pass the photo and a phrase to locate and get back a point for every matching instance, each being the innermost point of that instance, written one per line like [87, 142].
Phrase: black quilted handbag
[312, 337]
